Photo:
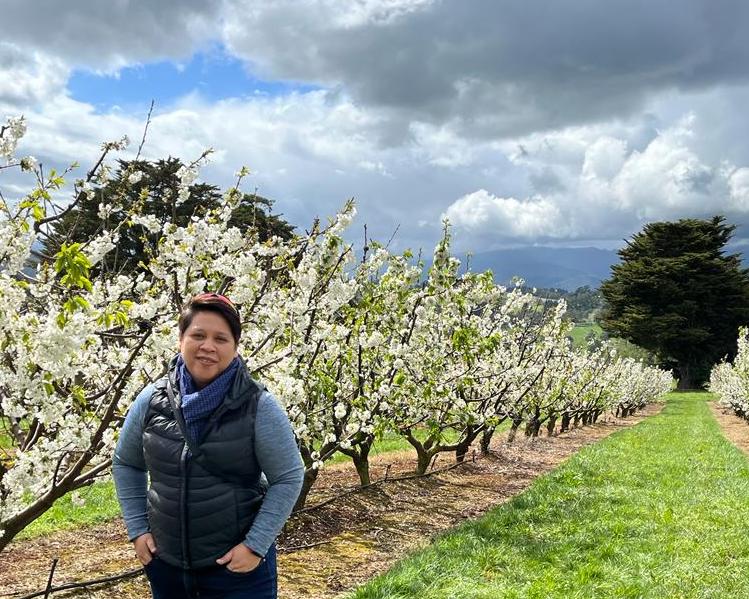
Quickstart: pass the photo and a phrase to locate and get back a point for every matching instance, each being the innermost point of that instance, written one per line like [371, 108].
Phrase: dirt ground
[329, 551]
[734, 428]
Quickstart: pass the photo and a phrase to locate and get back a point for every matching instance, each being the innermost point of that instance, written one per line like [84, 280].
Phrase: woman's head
[209, 332]
[212, 302]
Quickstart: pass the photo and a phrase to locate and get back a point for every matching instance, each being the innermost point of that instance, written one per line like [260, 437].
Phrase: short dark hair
[211, 302]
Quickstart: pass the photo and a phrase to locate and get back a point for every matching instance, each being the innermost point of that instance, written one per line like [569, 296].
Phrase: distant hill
[562, 268]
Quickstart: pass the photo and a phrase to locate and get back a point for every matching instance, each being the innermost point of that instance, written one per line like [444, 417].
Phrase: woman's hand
[145, 548]
[240, 559]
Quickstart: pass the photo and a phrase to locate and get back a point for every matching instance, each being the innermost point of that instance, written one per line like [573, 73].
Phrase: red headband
[203, 297]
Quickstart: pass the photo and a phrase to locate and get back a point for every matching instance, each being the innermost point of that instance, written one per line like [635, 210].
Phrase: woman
[223, 465]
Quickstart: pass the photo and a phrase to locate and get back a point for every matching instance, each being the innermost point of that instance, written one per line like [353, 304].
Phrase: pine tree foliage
[154, 194]
[677, 293]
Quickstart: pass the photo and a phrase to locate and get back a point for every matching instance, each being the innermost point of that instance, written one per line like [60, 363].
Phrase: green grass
[6, 442]
[101, 505]
[655, 511]
[581, 331]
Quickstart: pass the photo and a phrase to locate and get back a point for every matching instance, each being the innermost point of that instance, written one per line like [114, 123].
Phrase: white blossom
[28, 163]
[13, 130]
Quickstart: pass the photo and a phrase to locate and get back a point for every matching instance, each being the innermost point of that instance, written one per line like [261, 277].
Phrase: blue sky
[529, 123]
[213, 75]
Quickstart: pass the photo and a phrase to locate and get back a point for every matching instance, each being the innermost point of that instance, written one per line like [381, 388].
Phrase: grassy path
[658, 511]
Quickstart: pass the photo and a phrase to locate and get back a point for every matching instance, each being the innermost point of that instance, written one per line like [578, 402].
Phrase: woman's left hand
[240, 559]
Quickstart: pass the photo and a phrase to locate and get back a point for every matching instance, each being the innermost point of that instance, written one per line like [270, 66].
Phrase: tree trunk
[310, 476]
[685, 377]
[359, 455]
[361, 463]
[486, 439]
[532, 427]
[12, 526]
[550, 425]
[565, 426]
[422, 460]
[469, 436]
[513, 430]
[424, 451]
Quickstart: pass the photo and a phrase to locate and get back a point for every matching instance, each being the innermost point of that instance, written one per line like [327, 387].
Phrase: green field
[655, 511]
[581, 332]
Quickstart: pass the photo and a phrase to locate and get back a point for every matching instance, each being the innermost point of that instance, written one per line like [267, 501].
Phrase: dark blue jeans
[214, 582]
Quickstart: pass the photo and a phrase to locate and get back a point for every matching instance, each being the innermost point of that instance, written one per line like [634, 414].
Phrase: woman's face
[207, 347]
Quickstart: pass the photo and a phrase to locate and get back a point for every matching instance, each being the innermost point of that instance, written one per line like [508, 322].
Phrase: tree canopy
[677, 293]
[154, 191]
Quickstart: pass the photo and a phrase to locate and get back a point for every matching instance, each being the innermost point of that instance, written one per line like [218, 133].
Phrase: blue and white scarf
[198, 405]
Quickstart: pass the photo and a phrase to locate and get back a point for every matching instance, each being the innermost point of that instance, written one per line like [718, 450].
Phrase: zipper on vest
[183, 505]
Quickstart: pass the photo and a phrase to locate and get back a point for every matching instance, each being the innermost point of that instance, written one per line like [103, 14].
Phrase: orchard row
[353, 346]
[730, 381]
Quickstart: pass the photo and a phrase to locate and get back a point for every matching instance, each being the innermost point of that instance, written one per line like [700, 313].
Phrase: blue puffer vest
[204, 498]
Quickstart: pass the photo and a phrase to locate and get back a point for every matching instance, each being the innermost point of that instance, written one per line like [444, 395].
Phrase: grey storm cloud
[485, 68]
[500, 67]
[534, 121]
[107, 35]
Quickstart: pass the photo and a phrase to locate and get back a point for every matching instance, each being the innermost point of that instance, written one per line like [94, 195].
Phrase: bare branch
[145, 129]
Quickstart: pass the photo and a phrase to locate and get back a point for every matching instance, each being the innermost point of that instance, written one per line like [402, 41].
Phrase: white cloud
[738, 184]
[669, 178]
[604, 158]
[29, 77]
[607, 189]
[484, 213]
[311, 151]
[346, 13]
[442, 146]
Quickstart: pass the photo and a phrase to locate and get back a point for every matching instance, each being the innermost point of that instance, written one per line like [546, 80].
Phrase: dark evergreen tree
[155, 194]
[678, 294]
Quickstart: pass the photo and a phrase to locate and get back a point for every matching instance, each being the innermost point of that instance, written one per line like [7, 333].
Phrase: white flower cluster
[29, 163]
[135, 177]
[100, 246]
[12, 131]
[730, 381]
[350, 347]
[186, 176]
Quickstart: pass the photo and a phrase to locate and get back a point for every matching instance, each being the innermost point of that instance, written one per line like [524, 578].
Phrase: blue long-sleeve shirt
[276, 453]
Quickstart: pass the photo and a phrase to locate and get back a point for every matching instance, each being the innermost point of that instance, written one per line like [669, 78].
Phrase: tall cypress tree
[677, 293]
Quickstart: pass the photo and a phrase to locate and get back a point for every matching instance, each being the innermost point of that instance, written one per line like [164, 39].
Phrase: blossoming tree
[352, 349]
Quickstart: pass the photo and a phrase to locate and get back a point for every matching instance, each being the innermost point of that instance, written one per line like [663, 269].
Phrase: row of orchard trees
[730, 381]
[353, 346]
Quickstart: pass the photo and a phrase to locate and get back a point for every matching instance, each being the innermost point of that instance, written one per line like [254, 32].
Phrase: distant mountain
[563, 268]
